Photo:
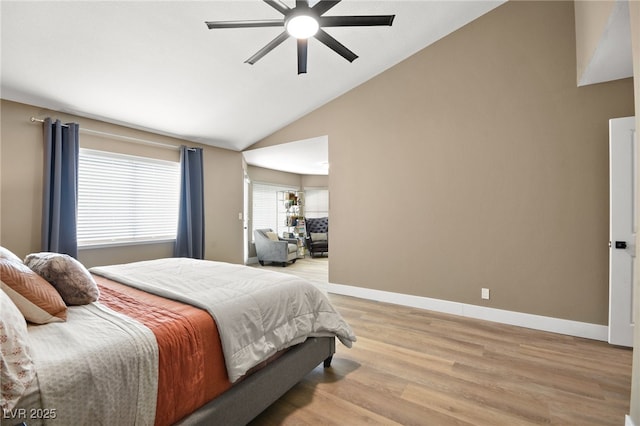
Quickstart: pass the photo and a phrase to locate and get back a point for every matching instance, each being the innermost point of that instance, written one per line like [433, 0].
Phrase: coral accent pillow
[72, 280]
[16, 366]
[5, 253]
[38, 301]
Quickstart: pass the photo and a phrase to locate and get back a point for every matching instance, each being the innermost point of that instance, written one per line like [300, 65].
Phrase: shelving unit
[294, 218]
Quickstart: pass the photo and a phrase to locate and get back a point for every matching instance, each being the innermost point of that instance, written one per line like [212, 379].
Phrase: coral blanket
[191, 368]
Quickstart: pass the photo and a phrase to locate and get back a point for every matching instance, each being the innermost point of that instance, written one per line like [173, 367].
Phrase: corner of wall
[591, 19]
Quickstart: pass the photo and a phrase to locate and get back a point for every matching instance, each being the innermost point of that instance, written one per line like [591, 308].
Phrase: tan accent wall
[591, 19]
[260, 174]
[476, 163]
[315, 181]
[21, 187]
[634, 13]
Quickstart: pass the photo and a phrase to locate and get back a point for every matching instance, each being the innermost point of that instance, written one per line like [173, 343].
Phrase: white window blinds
[126, 199]
[266, 207]
[316, 202]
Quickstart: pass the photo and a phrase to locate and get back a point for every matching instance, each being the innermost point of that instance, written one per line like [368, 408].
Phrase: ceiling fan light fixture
[302, 26]
[303, 22]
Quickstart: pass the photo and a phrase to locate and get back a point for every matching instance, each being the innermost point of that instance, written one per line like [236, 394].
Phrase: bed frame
[245, 400]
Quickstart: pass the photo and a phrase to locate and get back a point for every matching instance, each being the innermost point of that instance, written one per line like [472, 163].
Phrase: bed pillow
[16, 366]
[72, 280]
[38, 300]
[5, 253]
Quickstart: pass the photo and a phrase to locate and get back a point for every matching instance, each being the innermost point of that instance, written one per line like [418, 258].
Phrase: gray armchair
[271, 248]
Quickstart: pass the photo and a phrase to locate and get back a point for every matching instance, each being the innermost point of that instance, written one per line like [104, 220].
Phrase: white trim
[537, 322]
[91, 246]
[628, 421]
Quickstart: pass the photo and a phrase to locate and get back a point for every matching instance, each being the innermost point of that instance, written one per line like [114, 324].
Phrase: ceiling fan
[302, 22]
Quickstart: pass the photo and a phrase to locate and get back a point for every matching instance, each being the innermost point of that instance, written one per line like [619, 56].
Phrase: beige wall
[21, 187]
[315, 181]
[634, 13]
[476, 163]
[260, 174]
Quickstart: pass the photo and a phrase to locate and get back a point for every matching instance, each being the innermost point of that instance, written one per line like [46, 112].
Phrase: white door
[622, 229]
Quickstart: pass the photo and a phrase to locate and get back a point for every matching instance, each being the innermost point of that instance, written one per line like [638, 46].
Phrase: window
[316, 202]
[126, 199]
[266, 208]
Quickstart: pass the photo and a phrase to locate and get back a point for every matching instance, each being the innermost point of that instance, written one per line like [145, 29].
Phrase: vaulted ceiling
[154, 65]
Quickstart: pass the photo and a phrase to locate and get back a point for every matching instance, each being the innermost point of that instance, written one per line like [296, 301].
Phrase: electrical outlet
[485, 293]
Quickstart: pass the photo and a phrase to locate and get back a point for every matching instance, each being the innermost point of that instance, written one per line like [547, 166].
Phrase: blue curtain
[190, 238]
[59, 211]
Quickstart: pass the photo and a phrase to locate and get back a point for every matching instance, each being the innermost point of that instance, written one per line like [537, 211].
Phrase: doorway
[623, 207]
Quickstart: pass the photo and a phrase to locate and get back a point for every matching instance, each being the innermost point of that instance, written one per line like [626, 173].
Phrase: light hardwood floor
[416, 367]
[314, 269]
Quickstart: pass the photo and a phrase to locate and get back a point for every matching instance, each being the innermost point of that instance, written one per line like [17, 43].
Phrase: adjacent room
[169, 166]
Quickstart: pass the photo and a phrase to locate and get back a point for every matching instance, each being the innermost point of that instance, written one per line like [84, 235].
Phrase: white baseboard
[537, 322]
[628, 421]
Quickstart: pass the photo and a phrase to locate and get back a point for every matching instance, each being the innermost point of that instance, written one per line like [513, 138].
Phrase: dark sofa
[317, 235]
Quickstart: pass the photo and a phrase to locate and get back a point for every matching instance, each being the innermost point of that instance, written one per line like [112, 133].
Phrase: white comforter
[99, 367]
[258, 312]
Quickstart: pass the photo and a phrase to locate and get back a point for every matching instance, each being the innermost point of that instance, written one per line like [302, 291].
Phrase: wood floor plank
[390, 409]
[462, 408]
[416, 367]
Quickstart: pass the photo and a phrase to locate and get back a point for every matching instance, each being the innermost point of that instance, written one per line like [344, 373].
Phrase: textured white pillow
[16, 366]
[72, 280]
[5, 253]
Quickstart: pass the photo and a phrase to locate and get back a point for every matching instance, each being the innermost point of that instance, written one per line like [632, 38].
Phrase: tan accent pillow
[16, 366]
[272, 236]
[38, 301]
[5, 253]
[318, 236]
[72, 280]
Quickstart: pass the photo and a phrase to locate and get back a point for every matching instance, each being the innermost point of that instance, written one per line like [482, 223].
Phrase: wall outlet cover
[485, 293]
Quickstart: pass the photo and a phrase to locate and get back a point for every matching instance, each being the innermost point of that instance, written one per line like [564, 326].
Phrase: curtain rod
[117, 137]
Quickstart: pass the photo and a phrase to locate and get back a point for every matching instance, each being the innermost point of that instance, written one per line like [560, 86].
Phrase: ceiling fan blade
[245, 24]
[322, 6]
[302, 55]
[356, 21]
[302, 3]
[278, 5]
[335, 45]
[268, 48]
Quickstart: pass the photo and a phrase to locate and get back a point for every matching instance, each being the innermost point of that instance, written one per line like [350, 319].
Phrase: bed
[167, 341]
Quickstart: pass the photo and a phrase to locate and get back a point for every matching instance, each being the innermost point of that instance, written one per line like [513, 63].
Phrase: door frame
[623, 208]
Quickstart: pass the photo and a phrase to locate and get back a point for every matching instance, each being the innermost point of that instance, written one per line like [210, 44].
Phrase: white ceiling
[306, 157]
[154, 65]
